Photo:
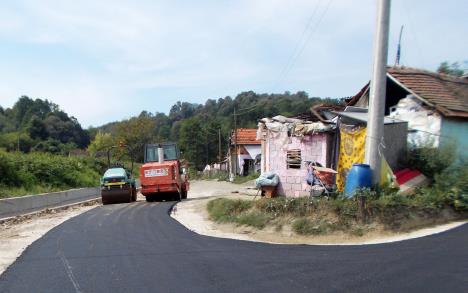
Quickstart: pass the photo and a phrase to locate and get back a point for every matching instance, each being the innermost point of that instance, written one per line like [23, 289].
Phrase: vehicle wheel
[149, 198]
[134, 194]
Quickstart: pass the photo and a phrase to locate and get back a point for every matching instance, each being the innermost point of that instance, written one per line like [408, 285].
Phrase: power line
[291, 64]
[301, 39]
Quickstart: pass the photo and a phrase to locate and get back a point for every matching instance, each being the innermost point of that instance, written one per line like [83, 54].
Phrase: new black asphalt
[138, 248]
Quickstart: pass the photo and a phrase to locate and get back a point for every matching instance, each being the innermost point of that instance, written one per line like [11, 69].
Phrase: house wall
[424, 124]
[455, 131]
[292, 181]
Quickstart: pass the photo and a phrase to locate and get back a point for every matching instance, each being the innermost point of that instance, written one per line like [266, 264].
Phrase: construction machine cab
[170, 152]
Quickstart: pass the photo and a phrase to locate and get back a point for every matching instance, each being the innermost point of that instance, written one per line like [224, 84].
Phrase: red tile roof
[245, 136]
[447, 94]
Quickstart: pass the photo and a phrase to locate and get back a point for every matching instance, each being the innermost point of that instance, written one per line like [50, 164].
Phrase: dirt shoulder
[210, 188]
[193, 214]
[17, 233]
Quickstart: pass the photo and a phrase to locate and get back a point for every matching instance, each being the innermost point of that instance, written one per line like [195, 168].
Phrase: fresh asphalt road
[138, 248]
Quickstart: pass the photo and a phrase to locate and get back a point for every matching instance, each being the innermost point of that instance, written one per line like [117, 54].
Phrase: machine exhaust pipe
[161, 154]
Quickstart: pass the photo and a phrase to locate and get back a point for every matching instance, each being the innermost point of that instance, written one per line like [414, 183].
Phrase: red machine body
[161, 177]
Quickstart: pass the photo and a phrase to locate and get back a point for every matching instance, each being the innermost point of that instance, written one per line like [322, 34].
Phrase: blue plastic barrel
[359, 176]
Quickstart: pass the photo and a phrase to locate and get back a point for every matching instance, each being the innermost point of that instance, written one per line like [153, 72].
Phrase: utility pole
[235, 143]
[219, 146]
[378, 82]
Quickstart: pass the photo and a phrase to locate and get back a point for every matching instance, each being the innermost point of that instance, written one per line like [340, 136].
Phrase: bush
[431, 161]
[452, 186]
[33, 170]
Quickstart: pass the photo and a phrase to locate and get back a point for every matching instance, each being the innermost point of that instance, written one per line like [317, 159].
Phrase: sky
[108, 60]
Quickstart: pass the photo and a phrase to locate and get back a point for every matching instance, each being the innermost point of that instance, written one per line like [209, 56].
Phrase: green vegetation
[431, 161]
[42, 172]
[445, 200]
[456, 68]
[195, 127]
[243, 179]
[40, 125]
[223, 210]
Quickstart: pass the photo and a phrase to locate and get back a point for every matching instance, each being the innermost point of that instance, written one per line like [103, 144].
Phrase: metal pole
[235, 143]
[398, 54]
[219, 146]
[375, 127]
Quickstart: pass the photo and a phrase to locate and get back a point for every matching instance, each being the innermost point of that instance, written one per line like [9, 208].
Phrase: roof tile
[245, 136]
[447, 93]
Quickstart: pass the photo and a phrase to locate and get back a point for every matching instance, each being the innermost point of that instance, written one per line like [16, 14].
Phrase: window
[293, 159]
[170, 152]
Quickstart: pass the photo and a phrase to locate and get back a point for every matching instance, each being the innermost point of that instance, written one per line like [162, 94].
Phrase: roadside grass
[354, 216]
[33, 173]
[243, 179]
[8, 192]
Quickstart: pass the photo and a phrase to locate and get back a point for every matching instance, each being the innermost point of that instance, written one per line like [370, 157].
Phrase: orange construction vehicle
[162, 173]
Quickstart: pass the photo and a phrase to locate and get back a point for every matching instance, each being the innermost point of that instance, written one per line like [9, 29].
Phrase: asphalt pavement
[138, 247]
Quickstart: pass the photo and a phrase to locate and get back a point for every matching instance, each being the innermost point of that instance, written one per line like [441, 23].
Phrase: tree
[451, 69]
[37, 129]
[101, 142]
[135, 133]
[191, 142]
[42, 121]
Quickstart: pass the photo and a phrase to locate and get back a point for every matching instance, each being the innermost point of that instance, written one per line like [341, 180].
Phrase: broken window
[293, 159]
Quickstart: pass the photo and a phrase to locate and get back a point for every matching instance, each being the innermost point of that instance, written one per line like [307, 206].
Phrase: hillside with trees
[40, 125]
[36, 125]
[196, 127]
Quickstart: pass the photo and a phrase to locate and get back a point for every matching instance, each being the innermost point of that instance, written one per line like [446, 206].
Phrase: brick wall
[292, 181]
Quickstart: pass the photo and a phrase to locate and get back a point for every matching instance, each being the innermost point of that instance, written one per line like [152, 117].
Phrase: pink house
[288, 144]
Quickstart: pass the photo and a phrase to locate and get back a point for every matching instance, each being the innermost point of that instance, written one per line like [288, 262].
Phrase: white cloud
[114, 50]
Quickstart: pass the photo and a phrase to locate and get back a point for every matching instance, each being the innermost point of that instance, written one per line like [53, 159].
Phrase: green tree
[37, 128]
[135, 133]
[101, 142]
[191, 142]
[454, 69]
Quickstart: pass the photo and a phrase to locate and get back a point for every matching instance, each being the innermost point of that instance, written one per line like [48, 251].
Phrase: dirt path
[209, 188]
[193, 215]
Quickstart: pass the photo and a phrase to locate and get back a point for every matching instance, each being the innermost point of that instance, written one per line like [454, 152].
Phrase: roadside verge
[194, 216]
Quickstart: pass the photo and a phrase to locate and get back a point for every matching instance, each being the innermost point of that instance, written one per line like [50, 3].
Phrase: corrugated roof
[364, 117]
[245, 136]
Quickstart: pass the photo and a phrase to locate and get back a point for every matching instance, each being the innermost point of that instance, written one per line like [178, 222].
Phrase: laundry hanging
[352, 150]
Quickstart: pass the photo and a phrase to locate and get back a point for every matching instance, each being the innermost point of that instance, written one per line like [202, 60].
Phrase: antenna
[398, 54]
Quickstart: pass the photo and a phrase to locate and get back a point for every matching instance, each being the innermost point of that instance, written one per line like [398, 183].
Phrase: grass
[223, 211]
[243, 179]
[323, 216]
[32, 173]
[8, 192]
